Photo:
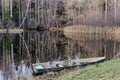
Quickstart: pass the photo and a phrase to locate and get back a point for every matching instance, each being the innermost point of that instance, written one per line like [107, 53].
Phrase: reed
[90, 29]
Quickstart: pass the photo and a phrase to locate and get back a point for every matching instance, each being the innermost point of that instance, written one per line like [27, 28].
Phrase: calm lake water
[18, 51]
[48, 46]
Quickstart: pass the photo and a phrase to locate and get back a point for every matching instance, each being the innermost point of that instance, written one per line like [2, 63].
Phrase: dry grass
[53, 75]
[91, 29]
[11, 31]
[105, 71]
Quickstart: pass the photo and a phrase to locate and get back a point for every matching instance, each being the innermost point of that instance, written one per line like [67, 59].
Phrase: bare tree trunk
[2, 4]
[115, 13]
[106, 8]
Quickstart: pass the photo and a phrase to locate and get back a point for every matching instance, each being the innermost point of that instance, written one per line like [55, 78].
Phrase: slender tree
[115, 10]
[106, 10]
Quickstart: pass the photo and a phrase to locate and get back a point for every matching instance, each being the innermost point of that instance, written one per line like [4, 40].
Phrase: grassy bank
[109, 70]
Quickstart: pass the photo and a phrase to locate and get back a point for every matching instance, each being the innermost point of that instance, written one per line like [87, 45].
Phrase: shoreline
[91, 29]
[108, 70]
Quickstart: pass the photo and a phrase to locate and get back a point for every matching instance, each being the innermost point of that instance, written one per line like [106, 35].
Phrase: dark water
[48, 46]
[44, 46]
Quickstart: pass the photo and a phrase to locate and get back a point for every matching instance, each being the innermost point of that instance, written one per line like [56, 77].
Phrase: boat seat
[59, 65]
[74, 63]
[38, 66]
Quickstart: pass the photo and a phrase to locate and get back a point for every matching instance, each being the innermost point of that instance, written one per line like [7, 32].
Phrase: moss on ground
[109, 70]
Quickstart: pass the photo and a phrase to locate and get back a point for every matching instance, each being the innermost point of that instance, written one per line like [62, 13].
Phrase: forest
[59, 13]
[51, 30]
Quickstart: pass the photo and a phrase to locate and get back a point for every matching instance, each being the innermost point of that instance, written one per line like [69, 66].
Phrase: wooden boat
[64, 64]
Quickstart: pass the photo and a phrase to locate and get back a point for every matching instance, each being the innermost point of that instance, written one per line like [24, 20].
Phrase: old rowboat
[64, 64]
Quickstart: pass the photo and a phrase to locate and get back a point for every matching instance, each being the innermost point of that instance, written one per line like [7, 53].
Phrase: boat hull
[79, 63]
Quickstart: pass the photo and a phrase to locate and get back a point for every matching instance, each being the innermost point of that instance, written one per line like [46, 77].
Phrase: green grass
[109, 70]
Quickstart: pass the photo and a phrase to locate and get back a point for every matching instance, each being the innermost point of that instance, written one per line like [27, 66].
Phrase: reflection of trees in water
[96, 45]
[42, 46]
[48, 46]
[72, 49]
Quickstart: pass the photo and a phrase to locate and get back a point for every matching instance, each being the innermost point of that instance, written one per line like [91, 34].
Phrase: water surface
[18, 53]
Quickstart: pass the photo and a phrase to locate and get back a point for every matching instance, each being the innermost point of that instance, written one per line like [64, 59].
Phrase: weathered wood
[65, 64]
